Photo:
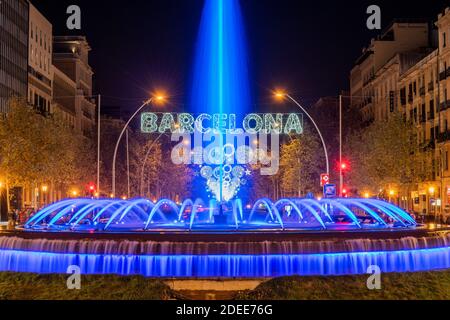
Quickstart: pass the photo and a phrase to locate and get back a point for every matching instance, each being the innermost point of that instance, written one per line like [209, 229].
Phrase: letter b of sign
[374, 20]
[74, 20]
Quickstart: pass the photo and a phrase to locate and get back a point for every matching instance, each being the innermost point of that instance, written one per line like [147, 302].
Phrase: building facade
[414, 80]
[71, 64]
[40, 70]
[14, 20]
[400, 36]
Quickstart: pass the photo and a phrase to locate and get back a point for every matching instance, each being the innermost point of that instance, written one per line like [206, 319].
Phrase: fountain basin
[228, 240]
[248, 255]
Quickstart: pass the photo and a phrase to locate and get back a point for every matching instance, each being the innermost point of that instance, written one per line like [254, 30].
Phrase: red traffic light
[344, 166]
[92, 188]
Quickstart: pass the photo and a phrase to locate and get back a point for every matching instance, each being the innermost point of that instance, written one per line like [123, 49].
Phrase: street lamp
[44, 194]
[1, 196]
[145, 161]
[391, 195]
[281, 95]
[433, 209]
[432, 190]
[158, 98]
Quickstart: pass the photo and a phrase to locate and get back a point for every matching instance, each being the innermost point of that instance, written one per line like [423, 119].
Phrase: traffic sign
[324, 179]
[329, 191]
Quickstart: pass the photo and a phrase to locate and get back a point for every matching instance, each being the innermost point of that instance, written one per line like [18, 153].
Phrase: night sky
[307, 47]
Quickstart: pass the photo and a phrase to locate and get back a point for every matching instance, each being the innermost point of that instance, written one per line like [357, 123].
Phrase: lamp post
[1, 198]
[44, 194]
[341, 173]
[433, 208]
[145, 161]
[99, 116]
[393, 196]
[282, 95]
[146, 103]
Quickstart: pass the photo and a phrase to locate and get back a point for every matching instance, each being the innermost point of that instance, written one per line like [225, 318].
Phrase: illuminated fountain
[165, 239]
[223, 237]
[142, 215]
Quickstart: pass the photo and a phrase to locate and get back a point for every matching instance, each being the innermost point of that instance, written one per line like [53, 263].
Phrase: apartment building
[414, 80]
[400, 36]
[13, 50]
[40, 70]
[73, 83]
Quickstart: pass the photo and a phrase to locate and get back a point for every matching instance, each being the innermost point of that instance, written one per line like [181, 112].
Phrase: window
[444, 39]
[446, 161]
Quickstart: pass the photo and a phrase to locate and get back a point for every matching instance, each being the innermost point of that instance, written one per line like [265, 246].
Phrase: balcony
[430, 86]
[445, 105]
[87, 115]
[423, 118]
[428, 145]
[430, 115]
[443, 136]
[368, 80]
[422, 91]
[410, 98]
[366, 102]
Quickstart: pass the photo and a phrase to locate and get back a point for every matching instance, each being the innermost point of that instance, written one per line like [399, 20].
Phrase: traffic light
[344, 166]
[92, 189]
[344, 192]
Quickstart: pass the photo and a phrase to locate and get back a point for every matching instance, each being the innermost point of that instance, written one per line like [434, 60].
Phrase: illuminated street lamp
[44, 189]
[432, 190]
[146, 159]
[391, 194]
[282, 95]
[160, 98]
[1, 187]
[367, 195]
[74, 193]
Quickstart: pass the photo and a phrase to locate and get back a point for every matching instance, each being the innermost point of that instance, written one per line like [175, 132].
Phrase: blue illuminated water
[143, 215]
[220, 83]
[236, 266]
[220, 78]
[238, 259]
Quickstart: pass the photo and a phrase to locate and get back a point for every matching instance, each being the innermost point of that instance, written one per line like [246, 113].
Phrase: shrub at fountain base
[27, 286]
[395, 286]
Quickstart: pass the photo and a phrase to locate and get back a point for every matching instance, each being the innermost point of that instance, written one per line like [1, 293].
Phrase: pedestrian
[11, 220]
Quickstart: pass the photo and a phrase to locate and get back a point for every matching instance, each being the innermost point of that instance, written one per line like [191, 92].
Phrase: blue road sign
[329, 191]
